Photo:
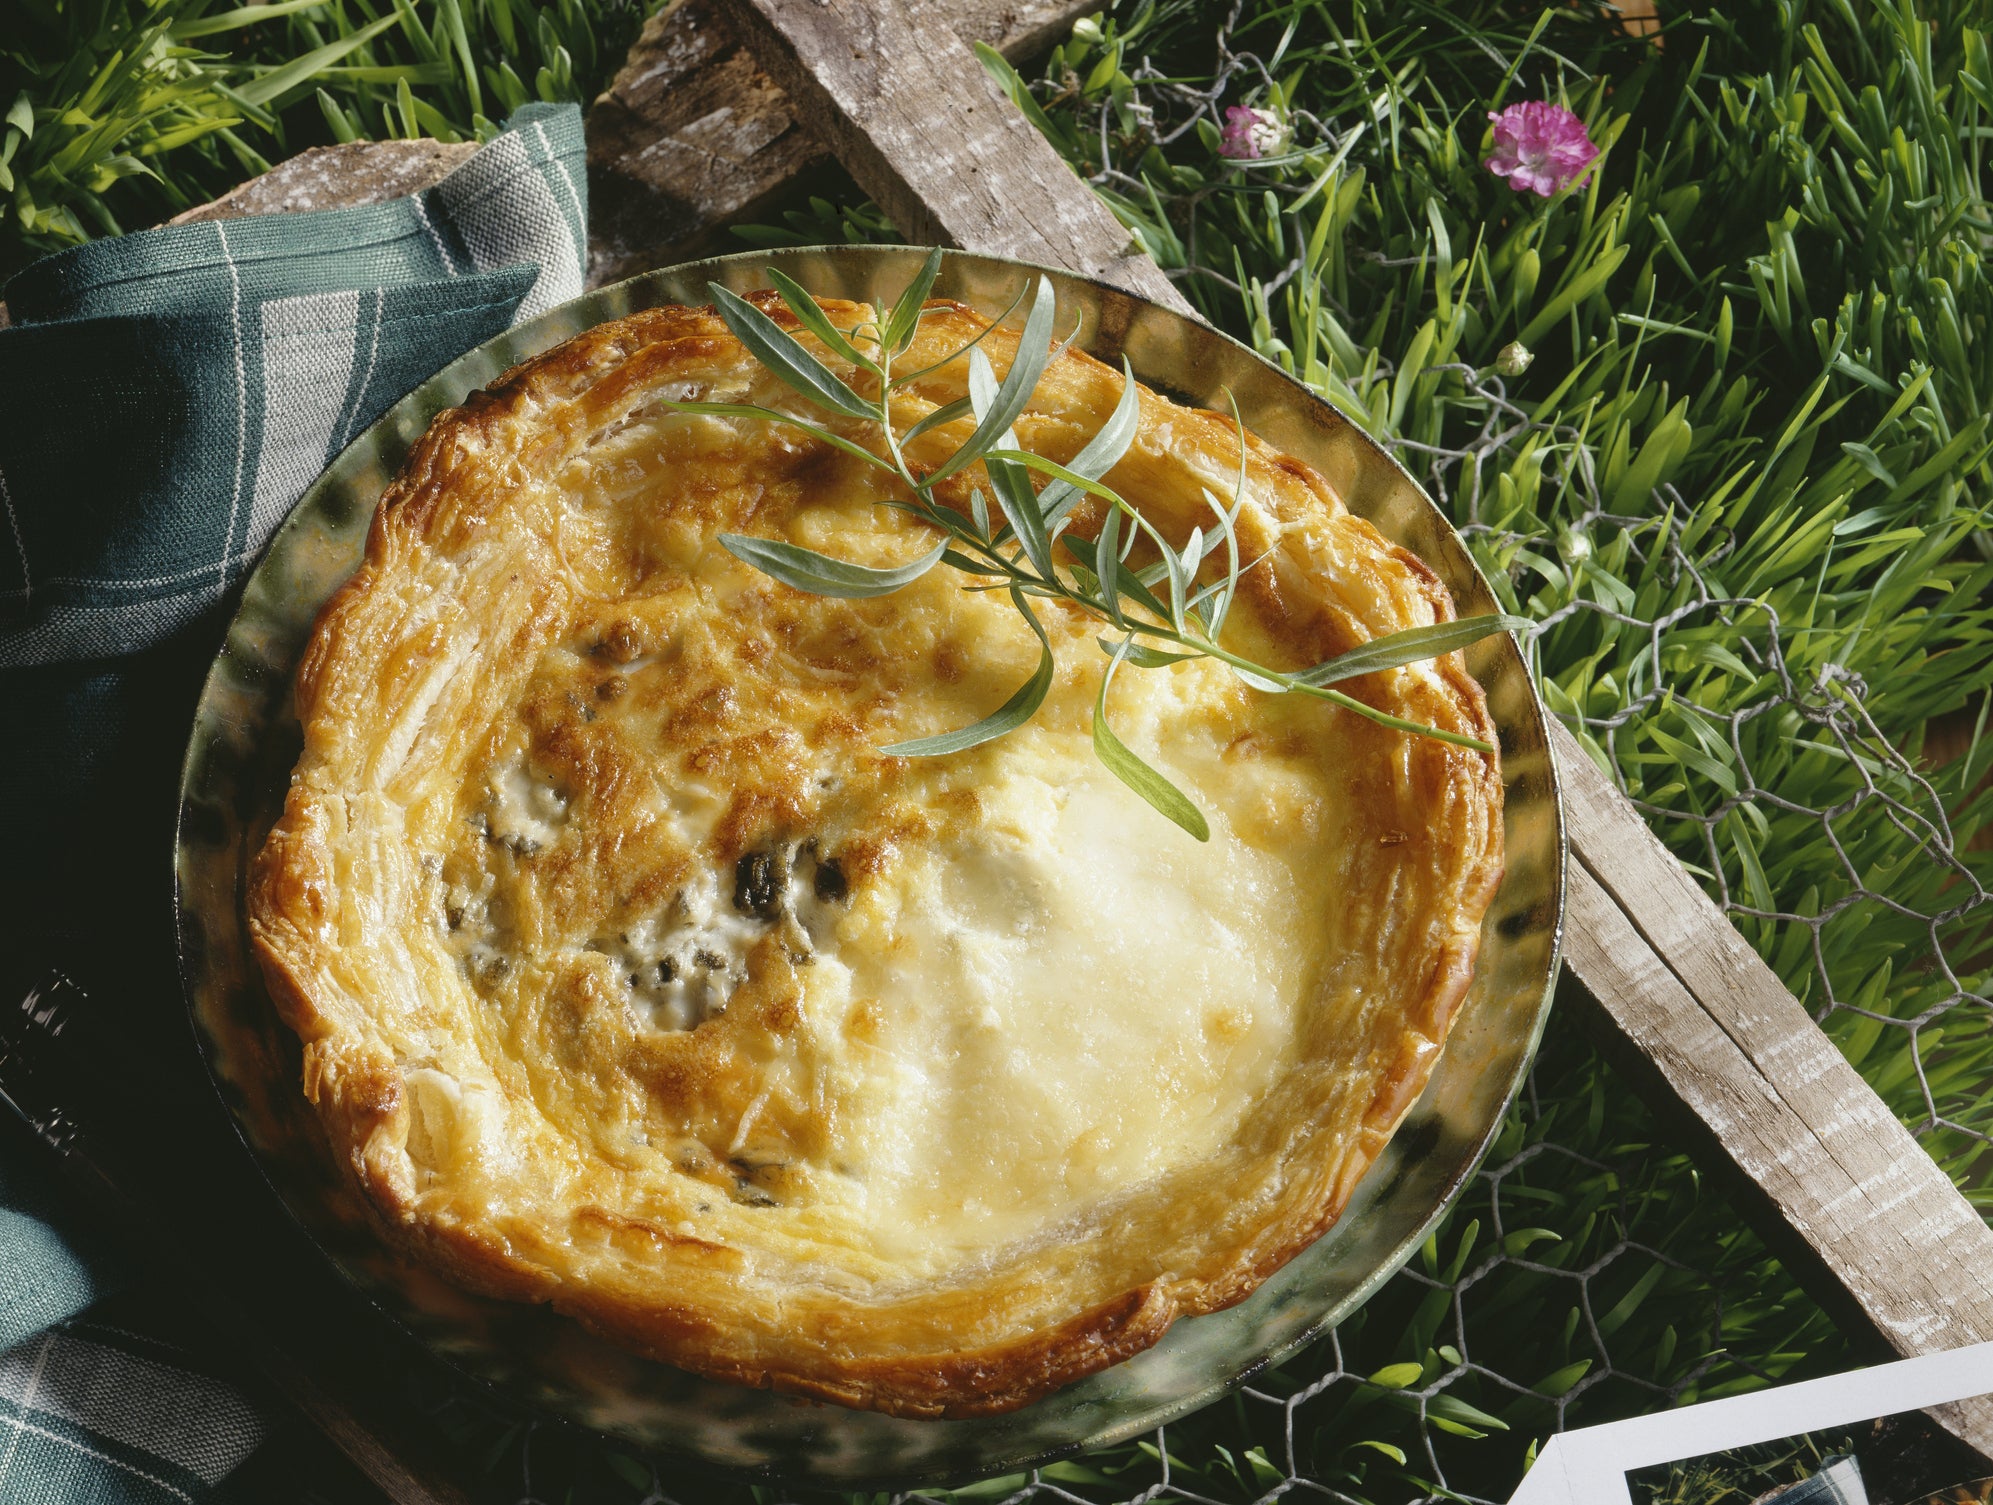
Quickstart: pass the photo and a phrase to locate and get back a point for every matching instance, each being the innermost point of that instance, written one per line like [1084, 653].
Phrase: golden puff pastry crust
[632, 978]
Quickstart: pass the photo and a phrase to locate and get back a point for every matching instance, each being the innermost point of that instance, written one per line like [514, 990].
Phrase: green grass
[1741, 487]
[1743, 1475]
[120, 113]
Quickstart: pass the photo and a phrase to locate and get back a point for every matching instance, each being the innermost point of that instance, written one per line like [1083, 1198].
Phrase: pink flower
[1251, 133]
[1541, 147]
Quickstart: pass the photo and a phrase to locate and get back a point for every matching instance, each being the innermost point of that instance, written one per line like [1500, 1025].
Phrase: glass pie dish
[246, 740]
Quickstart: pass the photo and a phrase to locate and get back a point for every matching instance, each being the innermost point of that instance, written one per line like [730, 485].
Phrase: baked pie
[634, 978]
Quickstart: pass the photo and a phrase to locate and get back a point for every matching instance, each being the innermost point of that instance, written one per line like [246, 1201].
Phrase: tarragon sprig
[1160, 614]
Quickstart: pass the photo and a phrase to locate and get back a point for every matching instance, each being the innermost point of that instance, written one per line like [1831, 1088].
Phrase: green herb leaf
[821, 575]
[1265, 684]
[1012, 484]
[983, 393]
[1397, 649]
[1107, 563]
[909, 377]
[1062, 477]
[959, 408]
[770, 415]
[994, 418]
[772, 345]
[1102, 452]
[1142, 657]
[1179, 588]
[1122, 762]
[905, 317]
[811, 316]
[1223, 593]
[958, 560]
[1126, 582]
[1396, 723]
[1007, 717]
[1193, 552]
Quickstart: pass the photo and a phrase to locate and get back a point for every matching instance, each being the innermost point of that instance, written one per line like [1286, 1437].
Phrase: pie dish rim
[1112, 311]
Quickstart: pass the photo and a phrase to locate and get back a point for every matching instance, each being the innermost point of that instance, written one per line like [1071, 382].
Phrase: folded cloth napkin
[117, 1408]
[165, 397]
[170, 394]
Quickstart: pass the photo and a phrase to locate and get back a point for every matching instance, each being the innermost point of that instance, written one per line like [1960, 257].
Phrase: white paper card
[1588, 1466]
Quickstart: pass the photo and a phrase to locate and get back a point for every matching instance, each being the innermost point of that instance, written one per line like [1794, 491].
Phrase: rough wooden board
[1866, 1218]
[693, 134]
[690, 135]
[337, 177]
[914, 118]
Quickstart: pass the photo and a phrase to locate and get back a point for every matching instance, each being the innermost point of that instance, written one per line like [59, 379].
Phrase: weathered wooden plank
[337, 177]
[690, 135]
[913, 117]
[1866, 1218]
[693, 134]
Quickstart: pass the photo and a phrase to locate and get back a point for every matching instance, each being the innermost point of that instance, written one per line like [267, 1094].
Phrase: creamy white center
[1075, 998]
[524, 811]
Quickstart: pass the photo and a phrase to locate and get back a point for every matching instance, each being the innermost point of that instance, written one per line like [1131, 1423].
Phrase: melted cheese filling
[917, 1012]
[1045, 1000]
[634, 976]
[1072, 1008]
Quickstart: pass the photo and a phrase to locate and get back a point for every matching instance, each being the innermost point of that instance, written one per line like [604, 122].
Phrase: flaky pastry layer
[632, 978]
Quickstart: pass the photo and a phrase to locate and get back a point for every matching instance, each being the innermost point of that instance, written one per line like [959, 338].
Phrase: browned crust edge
[353, 1100]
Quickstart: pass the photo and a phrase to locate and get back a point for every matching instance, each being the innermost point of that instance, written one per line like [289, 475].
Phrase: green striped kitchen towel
[167, 395]
[164, 399]
[115, 1408]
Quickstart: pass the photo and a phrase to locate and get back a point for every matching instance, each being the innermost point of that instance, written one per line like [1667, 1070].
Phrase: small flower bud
[1514, 358]
[1251, 133]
